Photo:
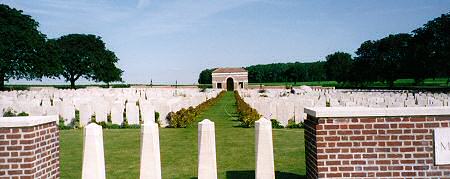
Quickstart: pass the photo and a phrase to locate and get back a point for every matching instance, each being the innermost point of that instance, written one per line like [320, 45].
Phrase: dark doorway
[230, 84]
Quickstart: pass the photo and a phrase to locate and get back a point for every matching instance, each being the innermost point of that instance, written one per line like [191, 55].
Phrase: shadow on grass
[251, 175]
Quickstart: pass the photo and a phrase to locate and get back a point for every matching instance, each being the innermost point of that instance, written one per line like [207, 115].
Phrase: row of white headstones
[150, 161]
[283, 108]
[103, 102]
[345, 98]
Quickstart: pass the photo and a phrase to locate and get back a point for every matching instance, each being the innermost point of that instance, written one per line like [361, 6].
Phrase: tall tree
[432, 42]
[205, 76]
[295, 72]
[338, 66]
[86, 56]
[105, 70]
[392, 54]
[365, 65]
[22, 47]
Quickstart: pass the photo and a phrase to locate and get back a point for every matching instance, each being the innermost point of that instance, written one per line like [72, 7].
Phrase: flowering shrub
[247, 115]
[186, 117]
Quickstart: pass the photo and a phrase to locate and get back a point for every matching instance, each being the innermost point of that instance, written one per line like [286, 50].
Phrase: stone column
[264, 150]
[93, 153]
[207, 167]
[150, 153]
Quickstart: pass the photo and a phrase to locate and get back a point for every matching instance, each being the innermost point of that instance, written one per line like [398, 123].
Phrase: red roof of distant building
[229, 70]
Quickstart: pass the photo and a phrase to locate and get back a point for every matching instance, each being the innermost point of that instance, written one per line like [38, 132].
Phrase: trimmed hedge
[247, 115]
[185, 117]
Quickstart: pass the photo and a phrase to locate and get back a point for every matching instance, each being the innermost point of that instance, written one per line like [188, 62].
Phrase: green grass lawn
[235, 149]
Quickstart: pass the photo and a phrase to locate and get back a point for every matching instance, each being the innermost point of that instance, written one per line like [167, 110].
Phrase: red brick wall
[373, 147]
[29, 152]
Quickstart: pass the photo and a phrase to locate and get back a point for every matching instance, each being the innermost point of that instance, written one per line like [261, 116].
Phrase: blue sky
[172, 40]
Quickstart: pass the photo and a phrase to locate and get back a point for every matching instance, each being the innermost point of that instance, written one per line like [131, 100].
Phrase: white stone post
[207, 167]
[93, 153]
[264, 150]
[150, 153]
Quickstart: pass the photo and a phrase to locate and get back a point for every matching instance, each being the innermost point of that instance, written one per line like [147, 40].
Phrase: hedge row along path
[234, 145]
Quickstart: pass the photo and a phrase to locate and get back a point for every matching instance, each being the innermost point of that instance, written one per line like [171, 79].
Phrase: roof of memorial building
[229, 70]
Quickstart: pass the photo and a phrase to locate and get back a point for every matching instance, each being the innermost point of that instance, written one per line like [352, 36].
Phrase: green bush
[62, 126]
[185, 117]
[112, 126]
[292, 125]
[23, 114]
[9, 113]
[247, 115]
[182, 118]
[157, 121]
[276, 124]
[134, 126]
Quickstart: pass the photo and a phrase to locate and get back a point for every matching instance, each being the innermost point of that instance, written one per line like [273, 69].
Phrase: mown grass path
[234, 145]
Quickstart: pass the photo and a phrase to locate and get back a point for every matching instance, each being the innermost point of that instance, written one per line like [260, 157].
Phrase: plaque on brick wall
[442, 146]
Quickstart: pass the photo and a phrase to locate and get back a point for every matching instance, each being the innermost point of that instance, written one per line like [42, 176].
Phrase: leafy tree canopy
[23, 49]
[338, 66]
[85, 55]
[205, 76]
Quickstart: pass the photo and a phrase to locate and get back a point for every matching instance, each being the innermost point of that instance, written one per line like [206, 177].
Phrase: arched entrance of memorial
[230, 84]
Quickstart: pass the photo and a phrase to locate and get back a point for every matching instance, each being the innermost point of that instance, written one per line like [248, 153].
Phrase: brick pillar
[311, 149]
[29, 147]
[373, 142]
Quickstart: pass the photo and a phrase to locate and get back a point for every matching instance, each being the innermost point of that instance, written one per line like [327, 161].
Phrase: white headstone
[117, 113]
[264, 150]
[85, 114]
[207, 167]
[101, 111]
[132, 113]
[93, 153]
[150, 155]
[68, 113]
[148, 113]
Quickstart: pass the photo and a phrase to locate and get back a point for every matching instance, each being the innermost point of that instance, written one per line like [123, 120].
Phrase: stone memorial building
[230, 78]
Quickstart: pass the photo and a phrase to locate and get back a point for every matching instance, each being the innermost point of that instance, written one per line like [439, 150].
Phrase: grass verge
[234, 146]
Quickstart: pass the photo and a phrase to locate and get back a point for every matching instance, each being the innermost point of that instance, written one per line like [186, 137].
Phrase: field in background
[235, 149]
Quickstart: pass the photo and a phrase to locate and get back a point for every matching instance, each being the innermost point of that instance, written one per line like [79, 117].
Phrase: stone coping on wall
[366, 111]
[26, 121]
